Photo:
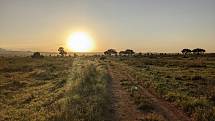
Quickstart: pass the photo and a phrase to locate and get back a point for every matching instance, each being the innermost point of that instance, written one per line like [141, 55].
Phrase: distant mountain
[1, 49]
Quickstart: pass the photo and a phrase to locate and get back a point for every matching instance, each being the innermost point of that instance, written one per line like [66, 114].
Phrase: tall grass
[87, 97]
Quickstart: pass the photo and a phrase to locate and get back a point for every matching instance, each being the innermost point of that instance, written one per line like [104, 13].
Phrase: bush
[37, 55]
[145, 106]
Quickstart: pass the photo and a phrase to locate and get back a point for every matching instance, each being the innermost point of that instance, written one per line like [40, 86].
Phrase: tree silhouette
[139, 54]
[37, 55]
[129, 52]
[110, 52]
[122, 53]
[126, 52]
[61, 51]
[186, 51]
[198, 51]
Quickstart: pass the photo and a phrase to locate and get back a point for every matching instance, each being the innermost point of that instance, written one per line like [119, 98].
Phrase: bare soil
[125, 108]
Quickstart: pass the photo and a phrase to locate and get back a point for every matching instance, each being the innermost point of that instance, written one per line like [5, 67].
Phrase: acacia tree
[122, 53]
[198, 51]
[129, 52]
[62, 52]
[110, 52]
[186, 51]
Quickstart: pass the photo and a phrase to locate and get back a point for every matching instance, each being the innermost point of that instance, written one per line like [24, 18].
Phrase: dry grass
[29, 87]
[52, 88]
[55, 88]
[186, 82]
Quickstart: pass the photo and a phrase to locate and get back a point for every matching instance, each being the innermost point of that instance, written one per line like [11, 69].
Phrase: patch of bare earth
[123, 106]
[126, 109]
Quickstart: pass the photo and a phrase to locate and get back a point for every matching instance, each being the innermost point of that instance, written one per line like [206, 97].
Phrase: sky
[142, 25]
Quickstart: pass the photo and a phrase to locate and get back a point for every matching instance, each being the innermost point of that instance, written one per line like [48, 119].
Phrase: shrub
[37, 55]
[145, 105]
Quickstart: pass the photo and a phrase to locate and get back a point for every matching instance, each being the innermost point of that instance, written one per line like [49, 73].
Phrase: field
[52, 88]
[95, 88]
[176, 82]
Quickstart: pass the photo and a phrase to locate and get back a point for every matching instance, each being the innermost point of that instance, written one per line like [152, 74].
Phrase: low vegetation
[52, 88]
[87, 98]
[77, 88]
[31, 88]
[187, 83]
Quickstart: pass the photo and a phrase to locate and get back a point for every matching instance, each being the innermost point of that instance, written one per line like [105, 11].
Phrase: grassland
[187, 83]
[52, 88]
[90, 88]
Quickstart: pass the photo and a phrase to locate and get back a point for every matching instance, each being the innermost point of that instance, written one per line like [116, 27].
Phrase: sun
[80, 42]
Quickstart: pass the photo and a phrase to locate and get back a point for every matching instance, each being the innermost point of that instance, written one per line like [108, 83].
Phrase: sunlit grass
[53, 89]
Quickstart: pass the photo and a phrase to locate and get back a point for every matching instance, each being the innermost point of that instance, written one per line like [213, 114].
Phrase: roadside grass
[144, 104]
[185, 82]
[87, 98]
[133, 87]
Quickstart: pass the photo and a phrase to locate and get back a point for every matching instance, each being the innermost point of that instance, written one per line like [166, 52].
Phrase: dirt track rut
[125, 108]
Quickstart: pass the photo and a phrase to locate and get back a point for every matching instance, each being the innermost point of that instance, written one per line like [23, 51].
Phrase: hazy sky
[143, 25]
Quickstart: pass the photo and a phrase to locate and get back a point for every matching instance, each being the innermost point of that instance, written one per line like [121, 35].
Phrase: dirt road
[126, 109]
[123, 106]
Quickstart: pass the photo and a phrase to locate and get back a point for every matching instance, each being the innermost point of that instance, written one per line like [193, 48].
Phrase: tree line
[129, 52]
[194, 51]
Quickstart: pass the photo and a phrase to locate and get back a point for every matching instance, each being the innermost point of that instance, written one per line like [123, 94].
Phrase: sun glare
[80, 42]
